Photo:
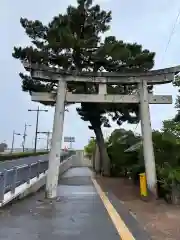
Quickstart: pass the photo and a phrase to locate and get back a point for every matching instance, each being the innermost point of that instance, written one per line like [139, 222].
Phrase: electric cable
[171, 34]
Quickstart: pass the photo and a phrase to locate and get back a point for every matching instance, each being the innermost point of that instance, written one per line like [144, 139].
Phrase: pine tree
[72, 41]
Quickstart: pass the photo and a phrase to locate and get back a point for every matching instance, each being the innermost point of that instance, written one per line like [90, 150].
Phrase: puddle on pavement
[76, 182]
[78, 172]
[65, 190]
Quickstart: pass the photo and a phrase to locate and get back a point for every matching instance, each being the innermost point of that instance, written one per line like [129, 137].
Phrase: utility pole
[13, 140]
[37, 122]
[25, 135]
[48, 136]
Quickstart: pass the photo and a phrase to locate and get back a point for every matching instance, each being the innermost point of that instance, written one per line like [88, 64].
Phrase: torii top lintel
[44, 73]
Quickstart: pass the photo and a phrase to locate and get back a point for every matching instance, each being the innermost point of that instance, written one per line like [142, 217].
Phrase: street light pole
[24, 135]
[13, 140]
[36, 132]
[47, 145]
[37, 122]
[12, 147]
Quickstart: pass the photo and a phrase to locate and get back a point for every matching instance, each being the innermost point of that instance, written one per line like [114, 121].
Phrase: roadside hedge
[12, 156]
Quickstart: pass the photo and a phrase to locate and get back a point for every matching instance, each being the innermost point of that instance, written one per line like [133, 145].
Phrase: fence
[17, 176]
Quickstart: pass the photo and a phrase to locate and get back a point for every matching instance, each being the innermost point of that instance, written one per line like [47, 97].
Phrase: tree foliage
[176, 83]
[131, 164]
[119, 141]
[172, 129]
[166, 148]
[68, 42]
[90, 148]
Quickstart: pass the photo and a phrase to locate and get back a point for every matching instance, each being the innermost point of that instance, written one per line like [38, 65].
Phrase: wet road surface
[25, 160]
[21, 161]
[78, 213]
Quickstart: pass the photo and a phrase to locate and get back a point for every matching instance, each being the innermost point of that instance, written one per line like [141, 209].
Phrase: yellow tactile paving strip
[119, 224]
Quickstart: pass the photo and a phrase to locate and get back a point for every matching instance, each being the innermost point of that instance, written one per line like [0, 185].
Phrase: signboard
[69, 139]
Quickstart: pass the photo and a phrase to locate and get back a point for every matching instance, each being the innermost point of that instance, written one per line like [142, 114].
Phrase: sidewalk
[82, 211]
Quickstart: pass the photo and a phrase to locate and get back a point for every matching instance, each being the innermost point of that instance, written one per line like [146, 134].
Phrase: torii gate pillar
[55, 152]
[148, 150]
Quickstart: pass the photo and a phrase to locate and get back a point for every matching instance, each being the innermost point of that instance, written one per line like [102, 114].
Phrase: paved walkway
[82, 211]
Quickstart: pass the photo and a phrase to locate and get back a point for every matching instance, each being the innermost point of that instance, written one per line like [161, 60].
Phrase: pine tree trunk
[93, 159]
[97, 161]
[104, 158]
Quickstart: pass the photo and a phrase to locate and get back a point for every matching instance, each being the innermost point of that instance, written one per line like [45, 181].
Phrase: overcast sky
[146, 22]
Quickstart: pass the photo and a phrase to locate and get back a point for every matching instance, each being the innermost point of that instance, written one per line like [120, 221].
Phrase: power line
[171, 33]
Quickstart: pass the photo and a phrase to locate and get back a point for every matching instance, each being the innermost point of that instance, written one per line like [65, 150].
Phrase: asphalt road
[21, 161]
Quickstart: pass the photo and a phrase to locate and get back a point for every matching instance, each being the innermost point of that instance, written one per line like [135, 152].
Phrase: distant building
[3, 147]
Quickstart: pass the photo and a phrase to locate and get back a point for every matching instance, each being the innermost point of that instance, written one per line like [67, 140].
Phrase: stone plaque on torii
[143, 79]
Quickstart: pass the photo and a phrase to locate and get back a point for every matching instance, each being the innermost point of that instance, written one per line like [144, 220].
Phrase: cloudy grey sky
[146, 22]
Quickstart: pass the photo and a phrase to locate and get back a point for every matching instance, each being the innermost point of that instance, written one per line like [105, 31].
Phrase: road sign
[69, 139]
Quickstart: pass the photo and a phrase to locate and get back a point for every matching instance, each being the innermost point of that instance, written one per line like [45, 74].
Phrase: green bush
[120, 161]
[12, 156]
[166, 149]
[166, 145]
[168, 179]
[90, 148]
[119, 141]
[134, 172]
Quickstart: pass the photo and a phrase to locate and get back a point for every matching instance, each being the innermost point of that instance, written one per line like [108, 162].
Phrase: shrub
[168, 181]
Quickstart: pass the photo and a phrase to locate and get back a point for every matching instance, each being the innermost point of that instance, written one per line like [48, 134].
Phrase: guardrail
[16, 180]
[13, 178]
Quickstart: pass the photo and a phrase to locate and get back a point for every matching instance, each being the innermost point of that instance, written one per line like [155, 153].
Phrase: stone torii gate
[59, 98]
